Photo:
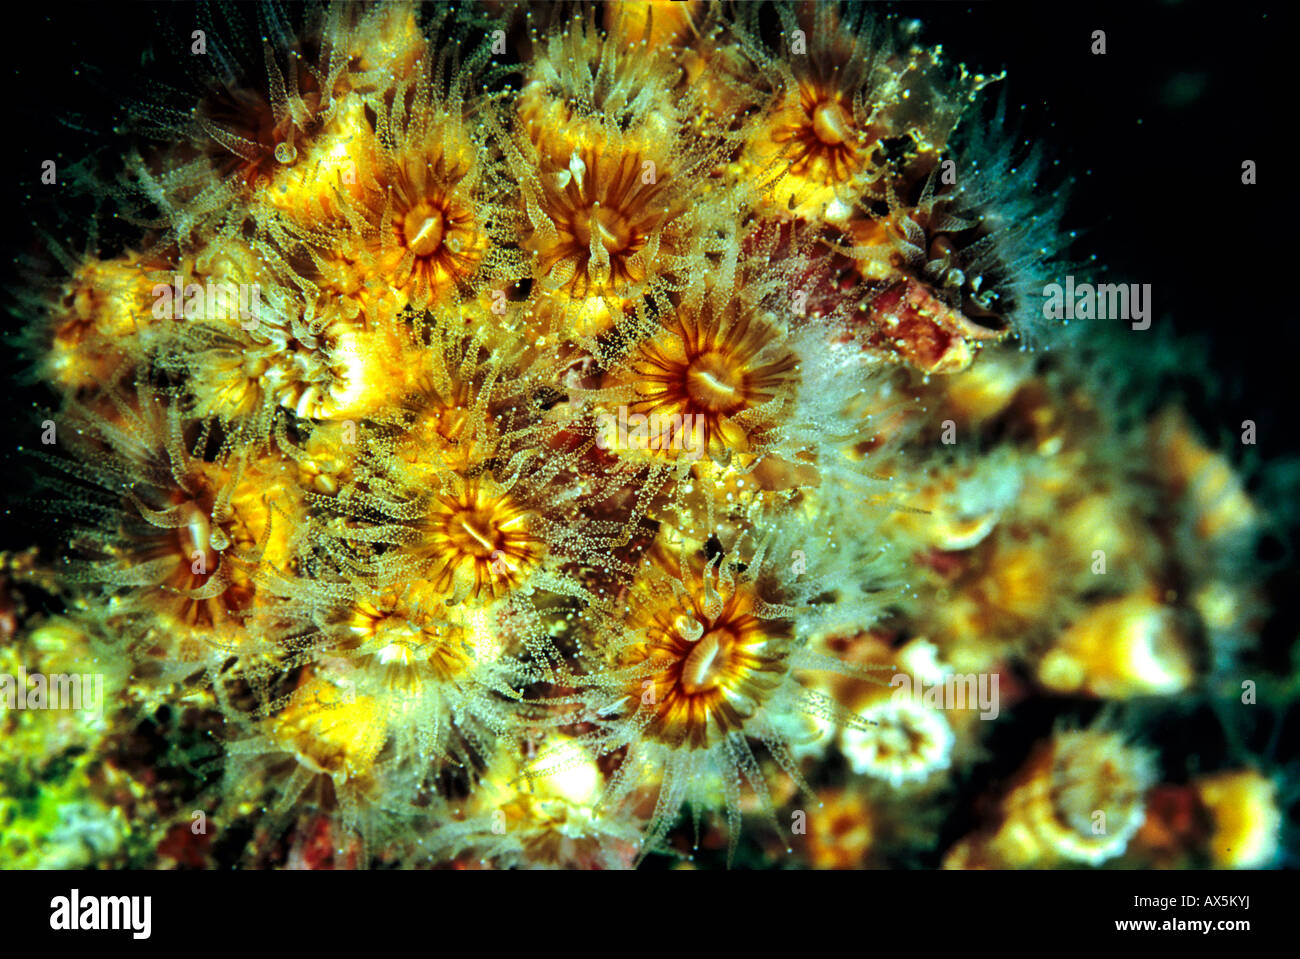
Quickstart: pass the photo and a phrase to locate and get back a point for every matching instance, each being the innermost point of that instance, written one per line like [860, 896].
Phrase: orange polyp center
[197, 540]
[476, 537]
[423, 229]
[199, 529]
[715, 384]
[612, 228]
[706, 663]
[480, 537]
[831, 123]
[474, 531]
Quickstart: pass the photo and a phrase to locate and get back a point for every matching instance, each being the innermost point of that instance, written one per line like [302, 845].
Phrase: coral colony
[588, 435]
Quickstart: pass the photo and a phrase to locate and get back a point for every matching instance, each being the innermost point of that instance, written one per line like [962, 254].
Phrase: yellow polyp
[1216, 493]
[331, 729]
[656, 23]
[329, 454]
[943, 521]
[369, 365]
[423, 229]
[544, 809]
[394, 45]
[1120, 649]
[902, 741]
[1223, 606]
[710, 666]
[831, 123]
[714, 383]
[1247, 818]
[405, 633]
[699, 671]
[105, 306]
[336, 162]
[694, 379]
[476, 542]
[985, 389]
[824, 158]
[843, 833]
[1050, 814]
[1018, 585]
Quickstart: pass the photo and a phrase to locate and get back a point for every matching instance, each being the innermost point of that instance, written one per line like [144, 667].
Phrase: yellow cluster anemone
[611, 218]
[709, 381]
[547, 818]
[182, 532]
[709, 665]
[331, 730]
[476, 540]
[839, 92]
[1078, 800]
[491, 431]
[102, 307]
